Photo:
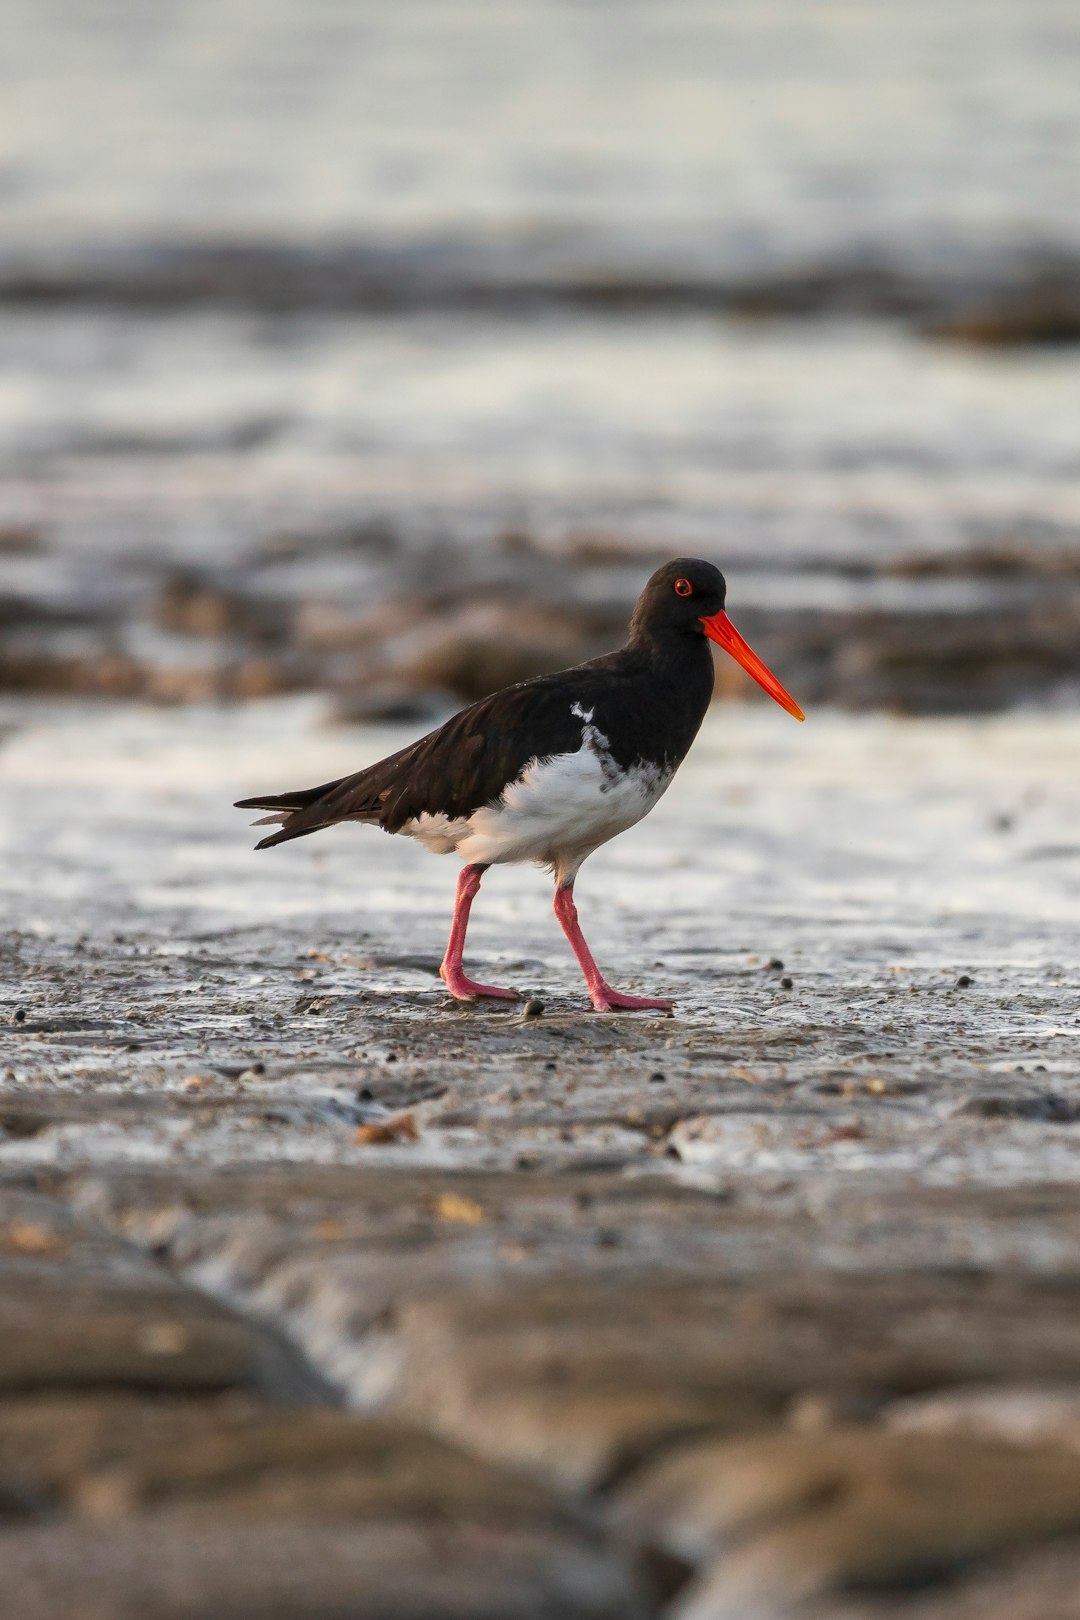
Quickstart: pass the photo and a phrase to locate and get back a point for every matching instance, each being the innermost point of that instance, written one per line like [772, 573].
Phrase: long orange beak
[720, 629]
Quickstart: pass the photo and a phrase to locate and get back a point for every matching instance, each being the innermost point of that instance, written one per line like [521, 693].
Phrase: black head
[684, 602]
[676, 599]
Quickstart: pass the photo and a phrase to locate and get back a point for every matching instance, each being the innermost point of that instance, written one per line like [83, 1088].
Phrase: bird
[549, 769]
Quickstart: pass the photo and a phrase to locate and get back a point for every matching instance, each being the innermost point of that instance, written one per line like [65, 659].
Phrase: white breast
[557, 812]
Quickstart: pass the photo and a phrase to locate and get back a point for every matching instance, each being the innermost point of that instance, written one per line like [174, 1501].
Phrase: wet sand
[843, 1175]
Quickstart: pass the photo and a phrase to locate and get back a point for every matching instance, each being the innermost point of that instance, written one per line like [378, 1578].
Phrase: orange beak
[720, 629]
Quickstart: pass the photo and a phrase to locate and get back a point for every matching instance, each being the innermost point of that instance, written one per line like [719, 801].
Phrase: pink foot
[463, 989]
[604, 999]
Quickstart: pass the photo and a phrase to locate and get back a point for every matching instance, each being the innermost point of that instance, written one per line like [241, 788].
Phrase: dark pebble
[776, 965]
[1046, 1108]
[964, 981]
[20, 1014]
[533, 1008]
[391, 1057]
[365, 1094]
[787, 984]
[657, 1077]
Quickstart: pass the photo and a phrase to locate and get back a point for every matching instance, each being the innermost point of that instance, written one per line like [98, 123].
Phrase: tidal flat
[612, 1272]
[357, 359]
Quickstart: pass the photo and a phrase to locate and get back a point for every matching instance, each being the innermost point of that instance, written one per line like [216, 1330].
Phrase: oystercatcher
[549, 769]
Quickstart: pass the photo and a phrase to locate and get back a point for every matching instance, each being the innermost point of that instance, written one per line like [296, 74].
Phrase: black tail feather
[288, 804]
[296, 800]
[287, 832]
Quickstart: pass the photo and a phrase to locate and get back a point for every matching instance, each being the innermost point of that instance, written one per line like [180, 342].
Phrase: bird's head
[686, 597]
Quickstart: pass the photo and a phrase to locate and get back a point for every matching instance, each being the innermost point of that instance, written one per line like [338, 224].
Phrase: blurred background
[381, 347]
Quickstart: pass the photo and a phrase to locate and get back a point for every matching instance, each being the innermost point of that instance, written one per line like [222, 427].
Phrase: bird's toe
[615, 1001]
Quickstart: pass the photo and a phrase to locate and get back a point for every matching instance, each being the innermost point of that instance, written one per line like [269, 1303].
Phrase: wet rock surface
[312, 1282]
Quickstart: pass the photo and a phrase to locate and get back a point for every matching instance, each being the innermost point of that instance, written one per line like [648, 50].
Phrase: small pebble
[657, 1077]
[391, 1057]
[20, 1015]
[787, 984]
[533, 1008]
[963, 981]
[776, 965]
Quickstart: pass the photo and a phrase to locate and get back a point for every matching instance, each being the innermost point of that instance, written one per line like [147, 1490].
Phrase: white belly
[557, 812]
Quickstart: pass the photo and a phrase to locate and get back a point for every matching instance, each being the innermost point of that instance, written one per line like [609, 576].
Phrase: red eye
[683, 587]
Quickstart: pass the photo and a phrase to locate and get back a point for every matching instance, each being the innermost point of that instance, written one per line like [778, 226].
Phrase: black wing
[466, 763]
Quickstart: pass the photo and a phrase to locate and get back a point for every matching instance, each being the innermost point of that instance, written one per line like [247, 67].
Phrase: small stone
[1045, 1108]
[399, 1128]
[657, 1078]
[163, 1338]
[456, 1208]
[106, 1496]
[787, 984]
[964, 981]
[776, 965]
[533, 1008]
[29, 1237]
[20, 1015]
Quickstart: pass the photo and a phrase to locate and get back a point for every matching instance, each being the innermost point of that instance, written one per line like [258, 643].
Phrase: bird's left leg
[603, 997]
[451, 971]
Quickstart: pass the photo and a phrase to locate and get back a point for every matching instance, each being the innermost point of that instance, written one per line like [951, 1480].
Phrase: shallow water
[545, 136]
[199, 439]
[332, 305]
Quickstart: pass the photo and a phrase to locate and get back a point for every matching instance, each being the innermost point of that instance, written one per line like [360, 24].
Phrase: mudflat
[749, 1309]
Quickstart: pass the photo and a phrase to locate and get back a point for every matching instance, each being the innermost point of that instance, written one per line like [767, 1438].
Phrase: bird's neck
[670, 653]
[678, 679]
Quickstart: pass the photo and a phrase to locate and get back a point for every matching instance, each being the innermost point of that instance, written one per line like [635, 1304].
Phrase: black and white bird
[549, 769]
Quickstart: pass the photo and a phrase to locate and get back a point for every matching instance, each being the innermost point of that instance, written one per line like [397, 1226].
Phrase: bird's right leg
[451, 971]
[602, 996]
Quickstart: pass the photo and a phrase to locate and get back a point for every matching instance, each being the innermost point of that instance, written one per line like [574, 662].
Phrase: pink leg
[603, 997]
[459, 986]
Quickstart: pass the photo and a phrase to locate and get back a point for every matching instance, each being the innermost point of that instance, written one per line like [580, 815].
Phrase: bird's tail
[284, 807]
